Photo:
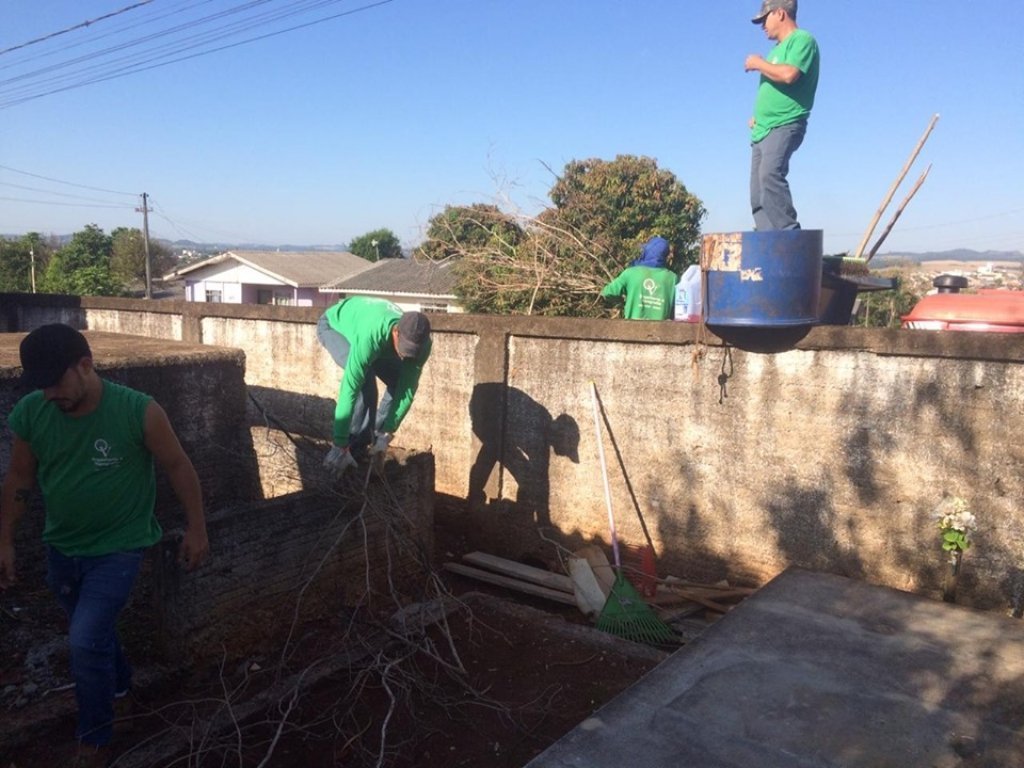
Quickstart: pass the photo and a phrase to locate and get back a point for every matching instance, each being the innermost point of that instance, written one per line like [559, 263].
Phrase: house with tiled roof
[414, 285]
[290, 278]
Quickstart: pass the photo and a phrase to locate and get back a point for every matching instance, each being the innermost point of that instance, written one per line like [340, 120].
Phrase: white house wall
[234, 272]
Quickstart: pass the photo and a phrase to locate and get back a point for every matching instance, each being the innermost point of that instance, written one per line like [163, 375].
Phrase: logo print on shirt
[104, 459]
[650, 286]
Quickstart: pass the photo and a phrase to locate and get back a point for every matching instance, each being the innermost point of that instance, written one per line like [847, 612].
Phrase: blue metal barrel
[762, 279]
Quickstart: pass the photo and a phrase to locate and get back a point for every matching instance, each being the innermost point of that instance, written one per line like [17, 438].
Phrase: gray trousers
[770, 198]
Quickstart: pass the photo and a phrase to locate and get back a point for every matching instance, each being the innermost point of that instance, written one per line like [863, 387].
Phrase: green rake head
[626, 614]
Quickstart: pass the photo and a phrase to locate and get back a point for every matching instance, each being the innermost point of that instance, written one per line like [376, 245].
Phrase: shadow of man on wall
[517, 435]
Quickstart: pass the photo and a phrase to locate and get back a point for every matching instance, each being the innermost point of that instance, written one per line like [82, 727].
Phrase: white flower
[954, 514]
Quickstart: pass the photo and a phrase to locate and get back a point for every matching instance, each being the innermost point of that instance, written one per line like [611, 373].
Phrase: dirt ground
[495, 683]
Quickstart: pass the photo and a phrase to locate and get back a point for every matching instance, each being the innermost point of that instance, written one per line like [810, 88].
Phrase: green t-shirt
[780, 104]
[95, 472]
[650, 292]
[366, 323]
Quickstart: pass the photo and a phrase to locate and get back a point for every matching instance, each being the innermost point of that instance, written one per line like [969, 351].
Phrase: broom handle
[604, 476]
[892, 190]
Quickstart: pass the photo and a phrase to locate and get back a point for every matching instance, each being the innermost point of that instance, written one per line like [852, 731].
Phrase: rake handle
[604, 477]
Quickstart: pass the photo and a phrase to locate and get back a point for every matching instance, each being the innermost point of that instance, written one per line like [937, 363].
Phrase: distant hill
[956, 254]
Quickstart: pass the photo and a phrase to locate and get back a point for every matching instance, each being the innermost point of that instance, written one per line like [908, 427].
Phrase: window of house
[213, 297]
[265, 296]
[428, 308]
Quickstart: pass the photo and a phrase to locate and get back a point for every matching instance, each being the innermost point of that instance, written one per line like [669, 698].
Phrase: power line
[54, 192]
[72, 205]
[140, 21]
[80, 25]
[68, 183]
[144, 60]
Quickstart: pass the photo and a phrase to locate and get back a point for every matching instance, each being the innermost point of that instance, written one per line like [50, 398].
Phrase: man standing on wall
[91, 445]
[785, 96]
[371, 339]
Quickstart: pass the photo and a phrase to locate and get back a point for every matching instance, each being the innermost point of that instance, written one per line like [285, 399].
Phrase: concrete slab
[817, 670]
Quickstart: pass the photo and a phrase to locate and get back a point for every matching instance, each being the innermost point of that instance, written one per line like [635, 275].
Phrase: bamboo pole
[895, 185]
[891, 224]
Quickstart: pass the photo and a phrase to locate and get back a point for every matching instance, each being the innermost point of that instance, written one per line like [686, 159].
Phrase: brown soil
[504, 679]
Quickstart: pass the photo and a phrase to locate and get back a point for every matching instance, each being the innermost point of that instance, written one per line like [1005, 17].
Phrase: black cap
[48, 352]
[413, 333]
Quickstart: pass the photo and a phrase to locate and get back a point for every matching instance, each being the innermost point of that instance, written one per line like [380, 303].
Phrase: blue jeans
[366, 416]
[770, 199]
[92, 591]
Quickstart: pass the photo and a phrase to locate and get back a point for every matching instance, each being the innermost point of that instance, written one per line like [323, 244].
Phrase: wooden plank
[504, 581]
[710, 594]
[520, 571]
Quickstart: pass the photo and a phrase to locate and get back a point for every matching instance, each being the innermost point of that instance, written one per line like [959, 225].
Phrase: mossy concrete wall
[743, 455]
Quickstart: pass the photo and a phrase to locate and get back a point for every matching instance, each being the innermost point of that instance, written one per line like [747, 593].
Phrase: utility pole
[145, 242]
[32, 266]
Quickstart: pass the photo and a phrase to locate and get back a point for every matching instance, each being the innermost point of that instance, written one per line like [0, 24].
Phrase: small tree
[885, 309]
[376, 245]
[461, 228]
[15, 266]
[128, 256]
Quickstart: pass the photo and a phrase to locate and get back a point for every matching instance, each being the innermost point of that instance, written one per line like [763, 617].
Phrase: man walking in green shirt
[91, 445]
[785, 96]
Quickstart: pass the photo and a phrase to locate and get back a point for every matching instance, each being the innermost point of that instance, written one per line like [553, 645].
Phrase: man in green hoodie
[371, 339]
[647, 284]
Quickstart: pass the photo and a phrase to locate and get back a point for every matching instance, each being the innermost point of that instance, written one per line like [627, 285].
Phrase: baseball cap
[767, 6]
[48, 352]
[413, 333]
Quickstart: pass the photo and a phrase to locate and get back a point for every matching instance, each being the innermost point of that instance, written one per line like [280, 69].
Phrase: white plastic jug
[688, 296]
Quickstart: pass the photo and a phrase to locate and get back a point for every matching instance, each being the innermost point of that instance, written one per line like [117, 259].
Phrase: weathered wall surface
[828, 451]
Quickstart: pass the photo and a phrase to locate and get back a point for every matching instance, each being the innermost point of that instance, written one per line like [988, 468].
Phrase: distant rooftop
[300, 269]
[399, 277]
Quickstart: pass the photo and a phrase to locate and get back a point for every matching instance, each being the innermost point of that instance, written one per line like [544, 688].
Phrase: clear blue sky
[381, 117]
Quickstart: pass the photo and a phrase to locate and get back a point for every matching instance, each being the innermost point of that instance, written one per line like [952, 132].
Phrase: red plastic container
[988, 310]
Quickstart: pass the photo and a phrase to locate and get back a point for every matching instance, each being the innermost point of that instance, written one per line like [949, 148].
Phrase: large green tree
[617, 205]
[82, 267]
[379, 244]
[557, 262]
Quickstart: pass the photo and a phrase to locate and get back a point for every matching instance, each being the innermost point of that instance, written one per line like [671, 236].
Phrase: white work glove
[380, 443]
[338, 460]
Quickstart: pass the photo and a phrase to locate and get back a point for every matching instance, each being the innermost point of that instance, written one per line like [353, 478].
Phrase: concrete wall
[827, 451]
